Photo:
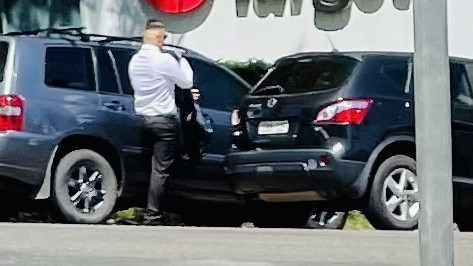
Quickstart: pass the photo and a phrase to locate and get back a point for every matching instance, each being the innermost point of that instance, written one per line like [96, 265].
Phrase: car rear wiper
[272, 87]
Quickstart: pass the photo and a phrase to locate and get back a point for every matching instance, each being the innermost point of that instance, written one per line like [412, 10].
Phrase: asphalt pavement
[49, 244]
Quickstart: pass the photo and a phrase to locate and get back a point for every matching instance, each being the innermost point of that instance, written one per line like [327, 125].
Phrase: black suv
[339, 128]
[67, 127]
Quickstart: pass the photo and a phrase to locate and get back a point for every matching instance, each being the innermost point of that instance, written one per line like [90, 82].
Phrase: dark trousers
[165, 132]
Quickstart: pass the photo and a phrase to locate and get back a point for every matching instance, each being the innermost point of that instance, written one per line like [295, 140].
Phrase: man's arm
[178, 71]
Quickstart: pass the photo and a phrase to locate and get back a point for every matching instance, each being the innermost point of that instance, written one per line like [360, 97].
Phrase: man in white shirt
[154, 75]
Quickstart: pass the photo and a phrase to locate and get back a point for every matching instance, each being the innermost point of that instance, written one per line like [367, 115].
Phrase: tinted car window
[122, 59]
[395, 75]
[107, 79]
[460, 84]
[69, 68]
[3, 58]
[312, 74]
[219, 89]
[386, 75]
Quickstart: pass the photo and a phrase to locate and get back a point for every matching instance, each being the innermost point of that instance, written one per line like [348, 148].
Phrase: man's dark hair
[155, 24]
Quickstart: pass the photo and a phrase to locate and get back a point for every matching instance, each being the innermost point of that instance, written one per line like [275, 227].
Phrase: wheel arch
[395, 145]
[80, 141]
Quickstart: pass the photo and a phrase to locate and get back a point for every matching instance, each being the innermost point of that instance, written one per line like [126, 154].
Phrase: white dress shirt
[153, 76]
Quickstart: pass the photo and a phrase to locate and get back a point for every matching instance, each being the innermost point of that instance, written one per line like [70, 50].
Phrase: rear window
[220, 90]
[314, 74]
[387, 75]
[70, 68]
[395, 74]
[3, 58]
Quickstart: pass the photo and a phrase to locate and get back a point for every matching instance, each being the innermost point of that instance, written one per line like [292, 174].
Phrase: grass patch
[357, 221]
[131, 214]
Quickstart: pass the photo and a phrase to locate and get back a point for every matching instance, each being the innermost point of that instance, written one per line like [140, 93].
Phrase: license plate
[273, 127]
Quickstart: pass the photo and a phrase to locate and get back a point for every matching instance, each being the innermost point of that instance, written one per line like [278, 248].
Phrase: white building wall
[215, 30]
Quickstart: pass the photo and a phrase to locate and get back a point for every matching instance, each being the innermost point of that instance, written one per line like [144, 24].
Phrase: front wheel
[85, 187]
[394, 198]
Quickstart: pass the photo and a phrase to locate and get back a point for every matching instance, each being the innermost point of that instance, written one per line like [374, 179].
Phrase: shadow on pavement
[18, 208]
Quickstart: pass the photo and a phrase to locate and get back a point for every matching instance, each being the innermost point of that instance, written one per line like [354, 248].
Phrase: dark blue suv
[336, 130]
[67, 127]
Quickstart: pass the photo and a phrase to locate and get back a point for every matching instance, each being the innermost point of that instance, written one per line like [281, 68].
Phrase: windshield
[313, 74]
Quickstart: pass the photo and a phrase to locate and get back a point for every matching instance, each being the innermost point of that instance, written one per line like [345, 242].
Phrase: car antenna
[334, 49]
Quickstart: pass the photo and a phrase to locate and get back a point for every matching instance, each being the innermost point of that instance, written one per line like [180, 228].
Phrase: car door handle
[115, 105]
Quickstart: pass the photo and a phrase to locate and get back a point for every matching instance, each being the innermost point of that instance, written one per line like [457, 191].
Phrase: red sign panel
[175, 6]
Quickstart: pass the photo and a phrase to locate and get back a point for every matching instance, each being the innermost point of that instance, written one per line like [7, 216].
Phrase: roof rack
[47, 31]
[111, 39]
[96, 38]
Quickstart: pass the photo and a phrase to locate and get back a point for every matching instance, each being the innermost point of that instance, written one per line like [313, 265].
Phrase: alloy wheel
[400, 194]
[85, 189]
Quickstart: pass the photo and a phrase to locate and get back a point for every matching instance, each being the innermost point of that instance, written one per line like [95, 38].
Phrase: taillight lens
[11, 112]
[345, 112]
[236, 119]
[236, 123]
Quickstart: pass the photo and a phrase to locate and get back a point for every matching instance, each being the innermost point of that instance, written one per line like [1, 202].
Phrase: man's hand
[195, 94]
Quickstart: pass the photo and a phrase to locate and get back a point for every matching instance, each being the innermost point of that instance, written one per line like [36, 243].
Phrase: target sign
[176, 6]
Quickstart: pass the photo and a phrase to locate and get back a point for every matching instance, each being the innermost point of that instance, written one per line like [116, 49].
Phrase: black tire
[64, 187]
[327, 220]
[378, 213]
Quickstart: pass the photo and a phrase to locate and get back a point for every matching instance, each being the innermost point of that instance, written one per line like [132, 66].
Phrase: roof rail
[96, 38]
[111, 39]
[47, 31]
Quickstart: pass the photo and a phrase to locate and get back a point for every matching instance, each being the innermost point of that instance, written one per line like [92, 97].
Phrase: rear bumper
[24, 158]
[284, 171]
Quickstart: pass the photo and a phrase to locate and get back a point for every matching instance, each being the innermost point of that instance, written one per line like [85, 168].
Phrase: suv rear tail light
[236, 119]
[236, 123]
[345, 112]
[11, 112]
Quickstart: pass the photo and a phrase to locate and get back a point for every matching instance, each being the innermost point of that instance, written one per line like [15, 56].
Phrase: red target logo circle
[175, 6]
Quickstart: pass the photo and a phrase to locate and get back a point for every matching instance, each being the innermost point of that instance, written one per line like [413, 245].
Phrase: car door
[221, 91]
[461, 77]
[121, 123]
